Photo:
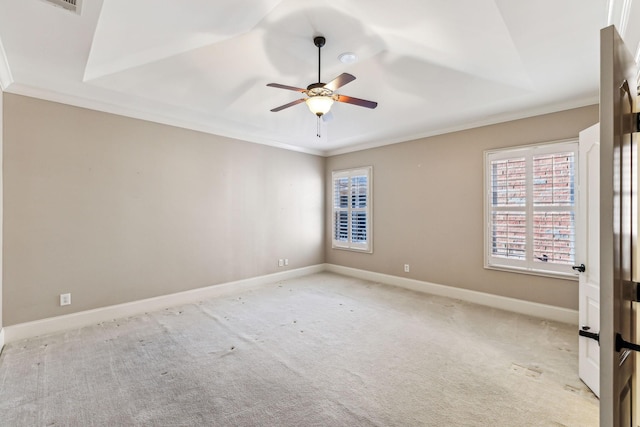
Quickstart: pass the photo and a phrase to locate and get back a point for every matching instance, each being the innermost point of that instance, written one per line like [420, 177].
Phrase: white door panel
[589, 244]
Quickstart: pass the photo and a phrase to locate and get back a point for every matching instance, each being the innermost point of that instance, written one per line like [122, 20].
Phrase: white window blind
[352, 209]
[531, 208]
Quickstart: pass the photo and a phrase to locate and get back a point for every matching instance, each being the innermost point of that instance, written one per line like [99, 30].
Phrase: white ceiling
[432, 65]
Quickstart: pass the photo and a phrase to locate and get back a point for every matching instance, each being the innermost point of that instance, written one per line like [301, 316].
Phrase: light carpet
[323, 350]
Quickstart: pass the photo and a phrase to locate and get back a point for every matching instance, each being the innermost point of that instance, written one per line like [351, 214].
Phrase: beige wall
[428, 208]
[114, 209]
[1, 204]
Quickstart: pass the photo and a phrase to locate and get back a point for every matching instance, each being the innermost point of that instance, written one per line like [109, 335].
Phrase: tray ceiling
[432, 66]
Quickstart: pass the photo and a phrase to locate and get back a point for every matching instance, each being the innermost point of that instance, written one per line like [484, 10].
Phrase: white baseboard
[50, 325]
[84, 318]
[528, 308]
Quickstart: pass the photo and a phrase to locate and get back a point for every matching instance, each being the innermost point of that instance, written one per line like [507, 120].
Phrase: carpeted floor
[323, 350]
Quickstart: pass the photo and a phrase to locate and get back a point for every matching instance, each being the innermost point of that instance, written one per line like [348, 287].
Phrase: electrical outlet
[286, 261]
[65, 299]
[406, 268]
[280, 262]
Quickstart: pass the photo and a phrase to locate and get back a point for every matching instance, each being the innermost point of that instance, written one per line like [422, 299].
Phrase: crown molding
[6, 79]
[501, 118]
[47, 95]
[619, 12]
[92, 104]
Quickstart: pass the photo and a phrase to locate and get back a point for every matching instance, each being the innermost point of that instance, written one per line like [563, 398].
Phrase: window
[531, 208]
[352, 209]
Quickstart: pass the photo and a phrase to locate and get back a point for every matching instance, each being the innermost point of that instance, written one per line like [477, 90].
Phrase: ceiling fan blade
[291, 104]
[357, 101]
[340, 81]
[278, 85]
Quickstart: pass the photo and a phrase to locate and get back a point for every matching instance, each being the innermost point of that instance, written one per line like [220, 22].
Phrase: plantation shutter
[531, 208]
[352, 209]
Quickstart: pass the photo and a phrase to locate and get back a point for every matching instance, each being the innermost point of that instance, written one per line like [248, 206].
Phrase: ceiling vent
[70, 5]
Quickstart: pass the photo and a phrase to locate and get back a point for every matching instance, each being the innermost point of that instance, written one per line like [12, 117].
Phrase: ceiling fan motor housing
[318, 89]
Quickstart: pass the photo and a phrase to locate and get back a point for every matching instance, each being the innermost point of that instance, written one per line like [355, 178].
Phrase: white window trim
[349, 245]
[528, 266]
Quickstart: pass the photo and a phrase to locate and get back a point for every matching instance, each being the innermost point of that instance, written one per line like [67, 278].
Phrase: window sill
[532, 272]
[362, 251]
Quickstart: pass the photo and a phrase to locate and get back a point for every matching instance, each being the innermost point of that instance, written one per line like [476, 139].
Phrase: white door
[618, 218]
[589, 241]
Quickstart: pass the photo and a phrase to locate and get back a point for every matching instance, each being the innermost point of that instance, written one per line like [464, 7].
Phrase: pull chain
[318, 128]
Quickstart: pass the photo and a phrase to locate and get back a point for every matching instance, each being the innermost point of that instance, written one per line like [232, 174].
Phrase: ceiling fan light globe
[319, 105]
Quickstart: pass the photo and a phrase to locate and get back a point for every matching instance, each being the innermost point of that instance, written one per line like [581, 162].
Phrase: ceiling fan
[320, 96]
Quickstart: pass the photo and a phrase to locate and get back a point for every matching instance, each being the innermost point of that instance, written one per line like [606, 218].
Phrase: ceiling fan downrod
[319, 41]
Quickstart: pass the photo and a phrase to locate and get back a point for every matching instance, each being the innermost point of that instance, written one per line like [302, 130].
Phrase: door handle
[580, 268]
[621, 343]
[584, 332]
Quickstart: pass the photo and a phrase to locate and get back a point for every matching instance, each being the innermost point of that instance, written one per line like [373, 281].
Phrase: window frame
[349, 244]
[529, 265]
